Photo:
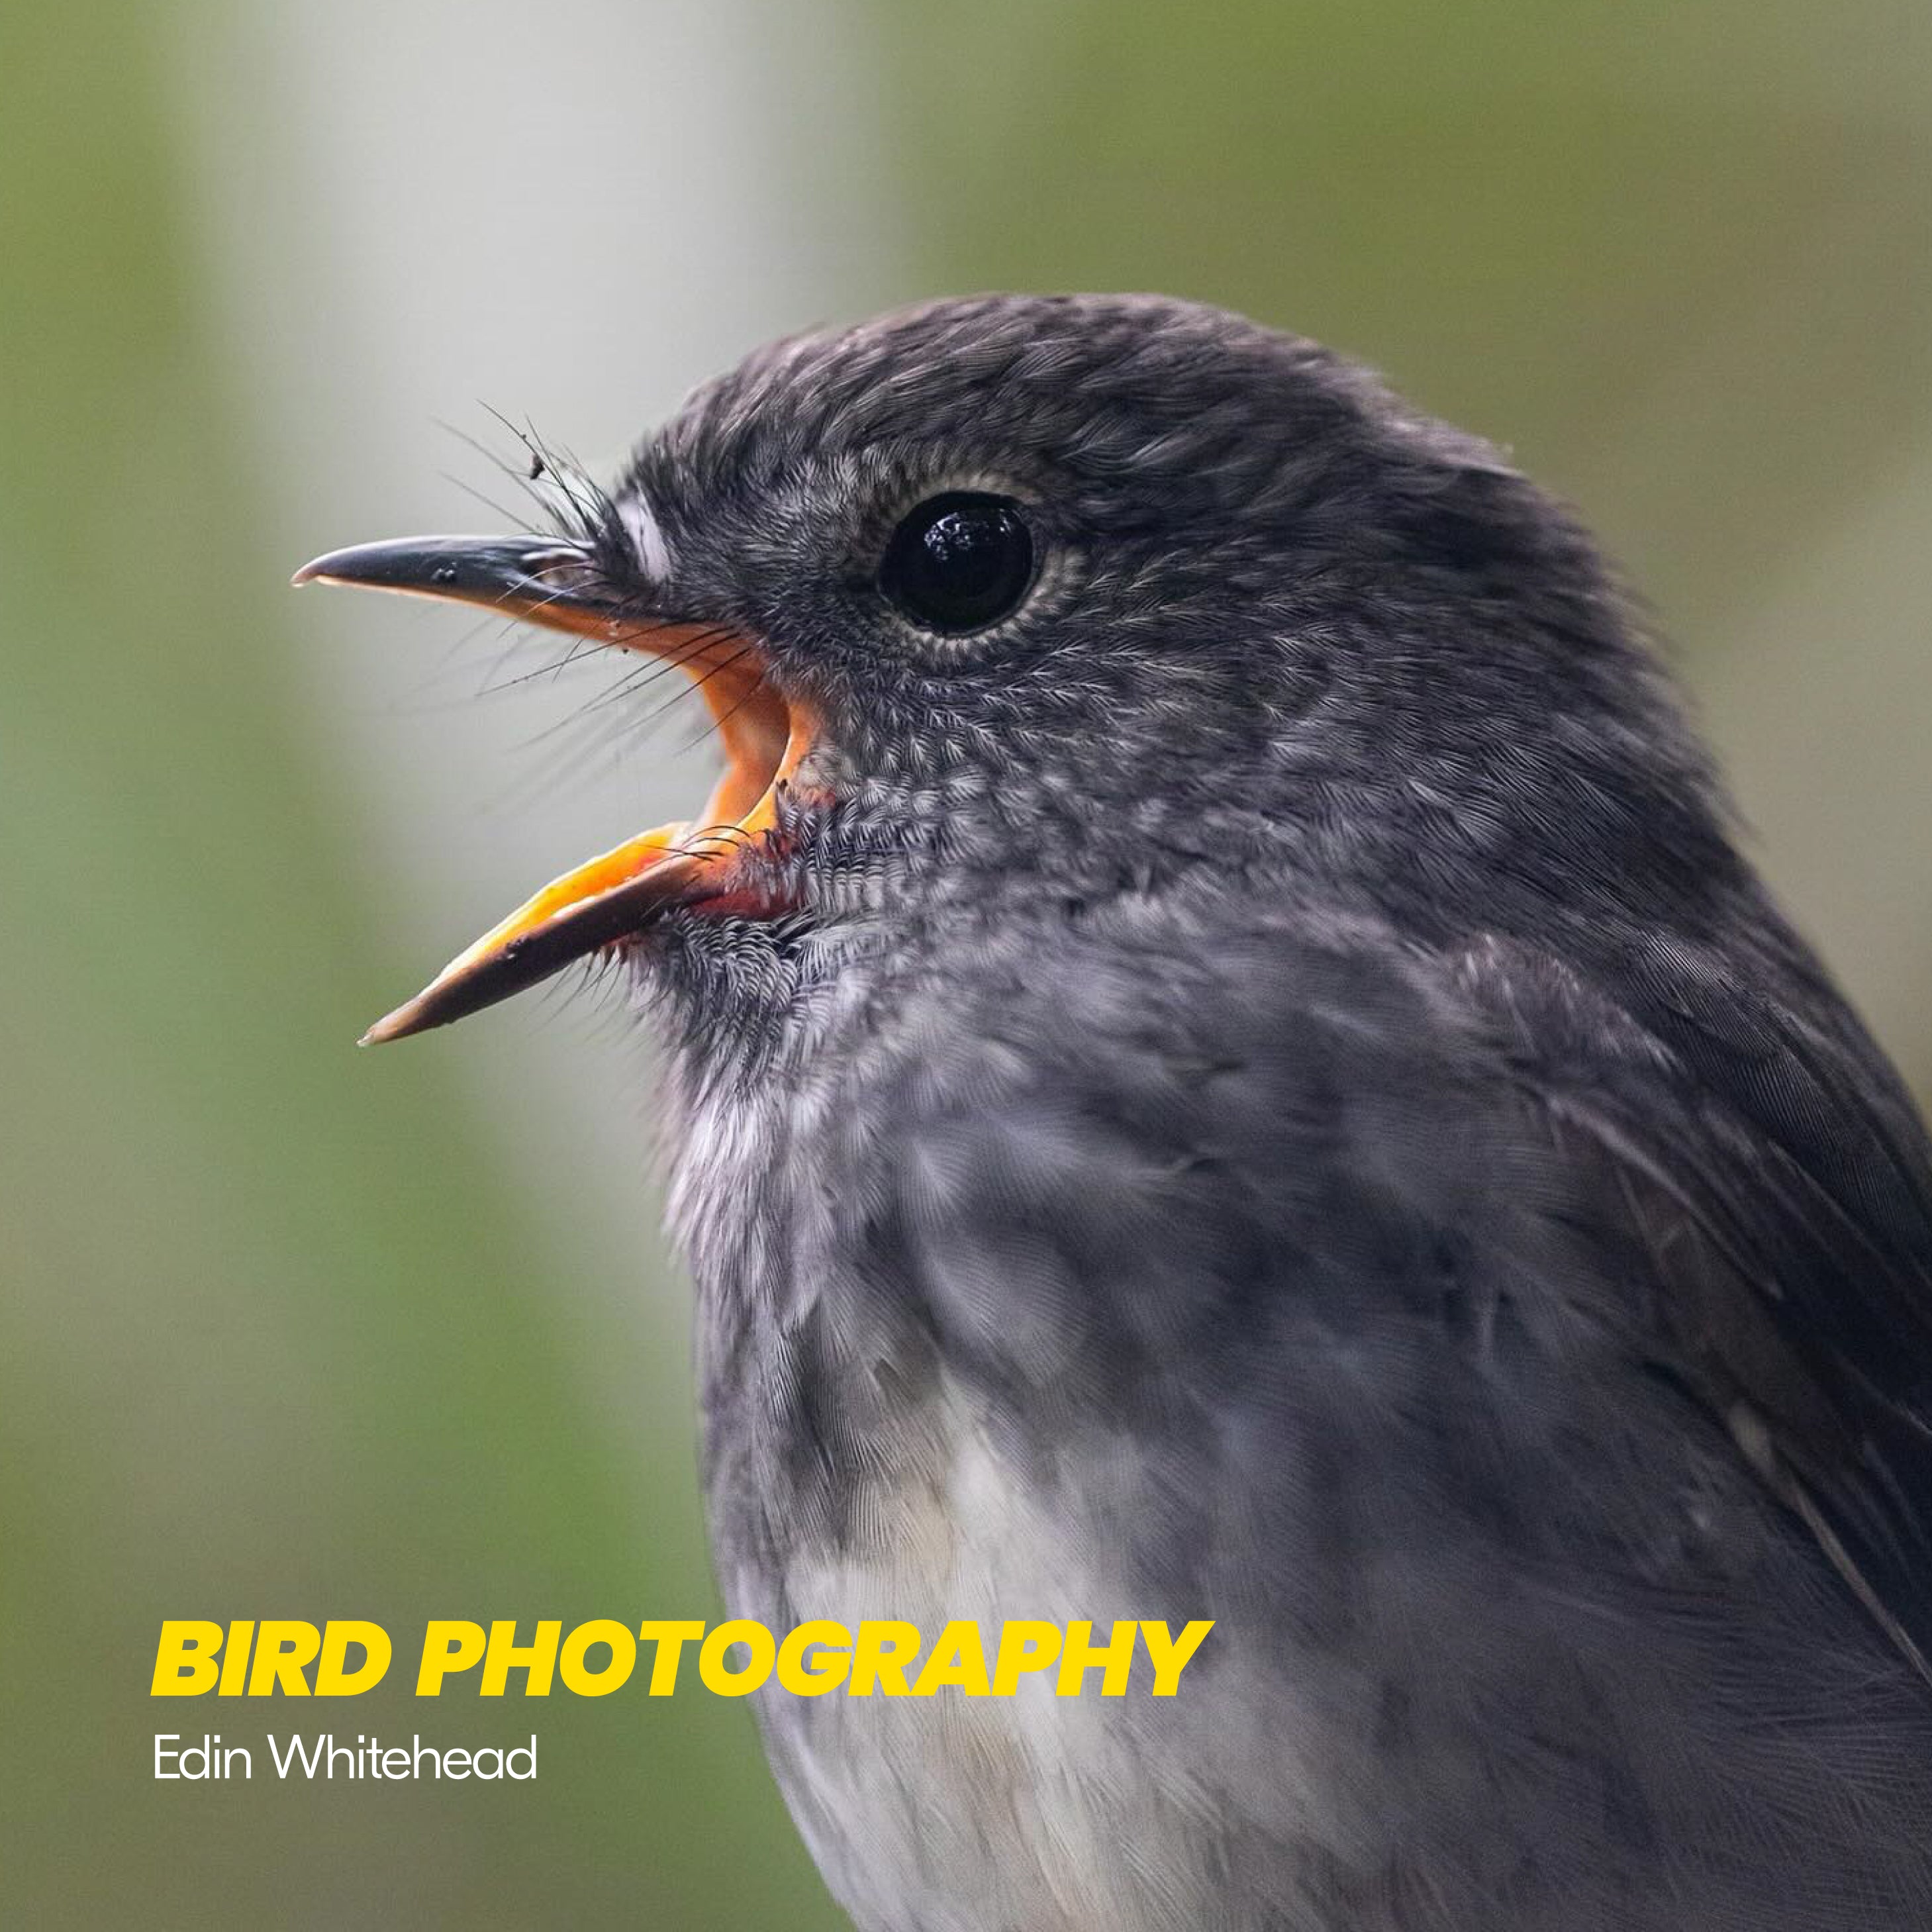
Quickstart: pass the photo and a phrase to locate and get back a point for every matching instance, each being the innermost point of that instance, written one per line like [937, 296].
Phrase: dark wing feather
[1779, 1181]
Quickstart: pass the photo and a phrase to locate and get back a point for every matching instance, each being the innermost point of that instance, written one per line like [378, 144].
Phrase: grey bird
[1223, 1061]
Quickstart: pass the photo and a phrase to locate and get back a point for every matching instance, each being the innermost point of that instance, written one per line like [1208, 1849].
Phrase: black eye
[958, 563]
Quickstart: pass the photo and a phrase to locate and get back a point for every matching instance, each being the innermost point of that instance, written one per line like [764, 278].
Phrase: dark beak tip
[397, 1025]
[379, 565]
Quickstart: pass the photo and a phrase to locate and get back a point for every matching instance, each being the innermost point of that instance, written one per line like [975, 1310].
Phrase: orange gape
[765, 738]
[554, 581]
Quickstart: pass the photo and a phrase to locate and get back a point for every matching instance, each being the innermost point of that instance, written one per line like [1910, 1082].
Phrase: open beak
[550, 581]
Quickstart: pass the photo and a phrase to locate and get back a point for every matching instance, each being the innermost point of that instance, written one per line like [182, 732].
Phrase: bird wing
[1778, 1183]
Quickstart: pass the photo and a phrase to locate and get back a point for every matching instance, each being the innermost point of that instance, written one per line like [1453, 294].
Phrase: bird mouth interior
[614, 898]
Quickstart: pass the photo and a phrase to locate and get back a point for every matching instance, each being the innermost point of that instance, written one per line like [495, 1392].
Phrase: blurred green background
[293, 1330]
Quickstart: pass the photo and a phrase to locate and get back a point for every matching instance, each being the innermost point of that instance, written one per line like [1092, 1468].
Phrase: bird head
[1032, 600]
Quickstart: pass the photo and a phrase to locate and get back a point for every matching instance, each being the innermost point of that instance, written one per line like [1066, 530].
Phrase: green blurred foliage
[280, 1338]
[1528, 215]
[281, 1335]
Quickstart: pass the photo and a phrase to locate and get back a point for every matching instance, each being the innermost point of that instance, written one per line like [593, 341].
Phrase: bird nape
[1222, 1062]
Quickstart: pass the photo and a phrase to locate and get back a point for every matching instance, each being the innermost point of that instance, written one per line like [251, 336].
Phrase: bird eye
[958, 563]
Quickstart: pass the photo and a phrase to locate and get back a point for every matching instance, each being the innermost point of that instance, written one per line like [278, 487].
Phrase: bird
[1224, 1058]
